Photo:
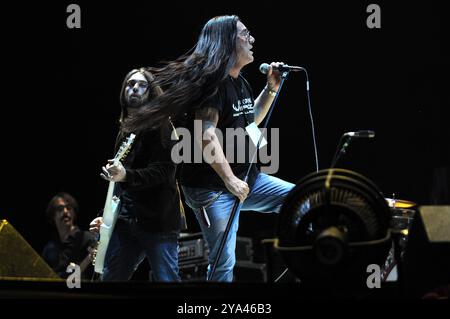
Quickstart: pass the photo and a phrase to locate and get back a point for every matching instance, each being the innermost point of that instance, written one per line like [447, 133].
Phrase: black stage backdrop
[59, 118]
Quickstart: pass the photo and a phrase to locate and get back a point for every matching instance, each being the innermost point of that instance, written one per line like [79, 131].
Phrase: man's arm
[160, 169]
[150, 176]
[263, 103]
[208, 138]
[266, 97]
[87, 261]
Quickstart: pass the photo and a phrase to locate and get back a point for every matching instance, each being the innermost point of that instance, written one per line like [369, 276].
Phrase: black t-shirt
[74, 249]
[235, 104]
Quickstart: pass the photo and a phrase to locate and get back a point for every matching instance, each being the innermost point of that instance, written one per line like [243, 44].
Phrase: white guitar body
[106, 229]
[110, 213]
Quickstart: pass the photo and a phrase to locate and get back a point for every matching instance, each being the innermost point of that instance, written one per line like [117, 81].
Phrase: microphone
[264, 68]
[341, 150]
[361, 134]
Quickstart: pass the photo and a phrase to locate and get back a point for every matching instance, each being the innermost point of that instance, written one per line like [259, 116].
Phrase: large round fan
[333, 225]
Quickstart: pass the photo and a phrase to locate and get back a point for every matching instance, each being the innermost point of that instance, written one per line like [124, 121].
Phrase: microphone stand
[237, 204]
[341, 150]
[345, 142]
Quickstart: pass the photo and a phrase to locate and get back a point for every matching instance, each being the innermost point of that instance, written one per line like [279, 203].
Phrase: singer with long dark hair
[207, 85]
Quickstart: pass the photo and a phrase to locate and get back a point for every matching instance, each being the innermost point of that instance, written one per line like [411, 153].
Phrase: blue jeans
[128, 247]
[267, 196]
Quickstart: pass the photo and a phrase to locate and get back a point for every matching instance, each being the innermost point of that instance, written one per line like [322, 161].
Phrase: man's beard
[134, 102]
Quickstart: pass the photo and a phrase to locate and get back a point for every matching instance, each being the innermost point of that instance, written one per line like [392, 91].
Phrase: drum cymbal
[399, 203]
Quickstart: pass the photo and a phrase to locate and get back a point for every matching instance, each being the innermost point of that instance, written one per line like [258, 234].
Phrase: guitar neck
[109, 196]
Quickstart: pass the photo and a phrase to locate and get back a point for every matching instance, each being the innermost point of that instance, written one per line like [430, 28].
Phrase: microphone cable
[264, 68]
[316, 156]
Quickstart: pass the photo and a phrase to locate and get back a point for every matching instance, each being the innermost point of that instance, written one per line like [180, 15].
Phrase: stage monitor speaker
[427, 254]
[18, 260]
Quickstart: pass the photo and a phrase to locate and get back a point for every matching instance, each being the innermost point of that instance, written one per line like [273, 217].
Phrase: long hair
[191, 79]
[51, 207]
[153, 90]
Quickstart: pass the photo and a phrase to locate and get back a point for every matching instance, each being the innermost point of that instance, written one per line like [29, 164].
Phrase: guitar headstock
[125, 147]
